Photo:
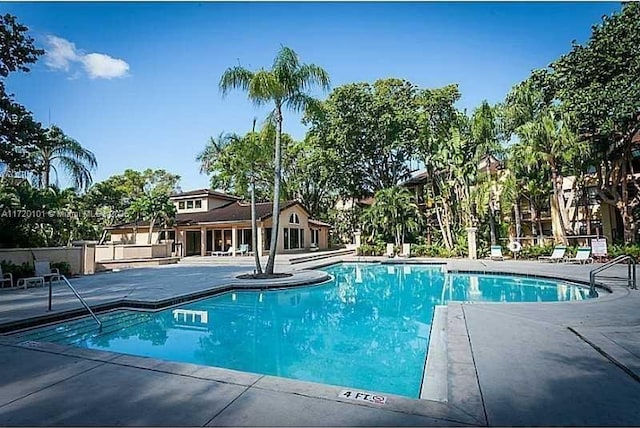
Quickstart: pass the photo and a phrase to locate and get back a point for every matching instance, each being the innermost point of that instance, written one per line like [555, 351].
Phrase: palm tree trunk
[254, 226]
[492, 224]
[275, 218]
[516, 213]
[46, 171]
[556, 206]
[540, 240]
[151, 222]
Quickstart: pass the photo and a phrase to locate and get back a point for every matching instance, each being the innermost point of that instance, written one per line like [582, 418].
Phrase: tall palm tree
[59, 151]
[552, 143]
[485, 135]
[284, 85]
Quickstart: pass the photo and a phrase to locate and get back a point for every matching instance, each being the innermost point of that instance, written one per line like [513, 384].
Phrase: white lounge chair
[406, 250]
[243, 250]
[496, 253]
[583, 256]
[5, 278]
[229, 252]
[24, 282]
[556, 256]
[391, 250]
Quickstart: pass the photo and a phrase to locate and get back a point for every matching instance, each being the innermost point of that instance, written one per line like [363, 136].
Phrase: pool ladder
[84, 303]
[631, 272]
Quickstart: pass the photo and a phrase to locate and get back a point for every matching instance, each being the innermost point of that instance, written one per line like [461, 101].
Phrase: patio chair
[24, 282]
[43, 269]
[556, 256]
[243, 250]
[406, 250]
[583, 256]
[391, 251]
[496, 253]
[5, 278]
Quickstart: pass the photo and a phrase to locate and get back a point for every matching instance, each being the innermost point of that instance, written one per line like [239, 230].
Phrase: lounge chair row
[583, 255]
[43, 272]
[242, 250]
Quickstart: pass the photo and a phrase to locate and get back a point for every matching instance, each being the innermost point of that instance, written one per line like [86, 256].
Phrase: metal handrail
[631, 280]
[84, 303]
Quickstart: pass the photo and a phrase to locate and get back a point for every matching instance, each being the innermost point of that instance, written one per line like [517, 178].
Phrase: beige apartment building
[209, 222]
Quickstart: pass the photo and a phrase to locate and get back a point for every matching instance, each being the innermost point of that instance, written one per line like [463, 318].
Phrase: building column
[234, 239]
[471, 236]
[203, 241]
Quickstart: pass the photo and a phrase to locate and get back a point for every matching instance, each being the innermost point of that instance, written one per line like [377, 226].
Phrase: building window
[267, 238]
[314, 236]
[294, 219]
[198, 203]
[244, 237]
[189, 205]
[181, 205]
[293, 238]
[286, 238]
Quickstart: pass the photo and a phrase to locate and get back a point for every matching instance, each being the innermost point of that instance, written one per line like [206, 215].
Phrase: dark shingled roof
[318, 223]
[235, 211]
[205, 192]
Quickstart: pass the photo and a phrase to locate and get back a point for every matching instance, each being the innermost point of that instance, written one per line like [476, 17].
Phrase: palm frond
[286, 62]
[236, 77]
[299, 102]
[310, 75]
[265, 87]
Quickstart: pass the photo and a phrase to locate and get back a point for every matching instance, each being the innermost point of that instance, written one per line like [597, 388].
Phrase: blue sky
[136, 83]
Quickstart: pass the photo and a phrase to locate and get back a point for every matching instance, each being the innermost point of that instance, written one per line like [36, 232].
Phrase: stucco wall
[131, 251]
[71, 255]
[125, 236]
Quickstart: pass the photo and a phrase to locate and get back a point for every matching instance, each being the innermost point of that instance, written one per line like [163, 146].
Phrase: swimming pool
[368, 328]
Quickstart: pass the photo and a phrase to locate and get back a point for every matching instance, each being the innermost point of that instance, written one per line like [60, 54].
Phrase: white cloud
[103, 66]
[62, 55]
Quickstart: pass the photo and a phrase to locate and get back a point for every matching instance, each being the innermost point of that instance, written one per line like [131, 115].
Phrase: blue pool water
[368, 328]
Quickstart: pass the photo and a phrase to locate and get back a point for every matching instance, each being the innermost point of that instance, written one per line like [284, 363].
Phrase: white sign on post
[599, 247]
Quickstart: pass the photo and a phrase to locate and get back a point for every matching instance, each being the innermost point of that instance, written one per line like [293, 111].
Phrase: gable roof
[232, 212]
[235, 211]
[204, 192]
[318, 223]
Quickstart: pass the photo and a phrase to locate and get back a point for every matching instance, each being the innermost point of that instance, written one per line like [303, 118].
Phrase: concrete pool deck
[561, 363]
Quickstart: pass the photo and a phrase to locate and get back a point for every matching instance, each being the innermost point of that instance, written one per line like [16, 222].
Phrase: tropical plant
[18, 129]
[284, 85]
[598, 82]
[151, 207]
[57, 150]
[393, 214]
[239, 162]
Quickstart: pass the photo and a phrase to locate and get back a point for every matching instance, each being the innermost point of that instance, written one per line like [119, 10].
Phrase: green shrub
[432, 250]
[24, 270]
[63, 267]
[371, 249]
[533, 251]
[618, 250]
